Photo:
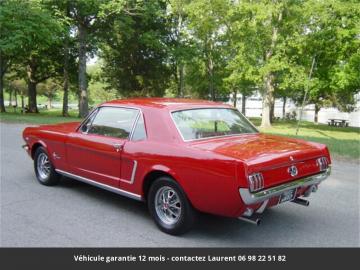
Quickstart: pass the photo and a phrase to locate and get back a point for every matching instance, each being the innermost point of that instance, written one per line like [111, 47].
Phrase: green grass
[44, 117]
[344, 142]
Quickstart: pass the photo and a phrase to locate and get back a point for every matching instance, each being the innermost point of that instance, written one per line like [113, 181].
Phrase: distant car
[180, 156]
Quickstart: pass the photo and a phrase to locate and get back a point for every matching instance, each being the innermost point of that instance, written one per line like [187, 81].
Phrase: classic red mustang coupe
[180, 156]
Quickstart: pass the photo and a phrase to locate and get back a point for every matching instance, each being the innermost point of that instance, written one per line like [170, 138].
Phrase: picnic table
[338, 122]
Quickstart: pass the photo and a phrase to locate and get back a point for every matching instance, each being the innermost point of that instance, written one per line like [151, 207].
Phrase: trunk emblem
[291, 158]
[293, 171]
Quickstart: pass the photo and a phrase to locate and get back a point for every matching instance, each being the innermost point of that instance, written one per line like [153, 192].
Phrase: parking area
[74, 214]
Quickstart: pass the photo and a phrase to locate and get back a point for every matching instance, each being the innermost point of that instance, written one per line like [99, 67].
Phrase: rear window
[211, 122]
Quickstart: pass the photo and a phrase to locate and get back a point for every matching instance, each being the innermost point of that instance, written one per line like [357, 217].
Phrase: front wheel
[169, 207]
[44, 170]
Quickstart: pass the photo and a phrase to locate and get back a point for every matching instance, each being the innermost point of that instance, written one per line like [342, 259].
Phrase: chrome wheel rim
[43, 166]
[168, 205]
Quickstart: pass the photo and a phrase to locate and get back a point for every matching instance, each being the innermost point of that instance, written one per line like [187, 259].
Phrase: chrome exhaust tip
[252, 220]
[301, 202]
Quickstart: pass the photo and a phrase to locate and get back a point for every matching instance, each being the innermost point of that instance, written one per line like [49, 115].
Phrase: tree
[134, 50]
[99, 91]
[331, 36]
[28, 37]
[178, 47]
[60, 10]
[206, 29]
[85, 15]
[19, 87]
[49, 89]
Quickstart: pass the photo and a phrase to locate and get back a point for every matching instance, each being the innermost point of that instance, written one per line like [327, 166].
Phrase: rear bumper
[263, 195]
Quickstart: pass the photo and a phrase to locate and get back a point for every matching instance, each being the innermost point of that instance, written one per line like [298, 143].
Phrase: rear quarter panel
[209, 180]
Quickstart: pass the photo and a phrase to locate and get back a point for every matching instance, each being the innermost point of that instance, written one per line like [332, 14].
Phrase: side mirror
[85, 128]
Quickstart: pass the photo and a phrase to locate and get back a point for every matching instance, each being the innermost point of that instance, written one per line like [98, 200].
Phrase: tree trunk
[2, 73]
[243, 104]
[65, 107]
[181, 81]
[267, 102]
[32, 83]
[10, 97]
[49, 103]
[235, 98]
[211, 79]
[83, 94]
[15, 96]
[272, 111]
[180, 65]
[210, 68]
[316, 116]
[32, 102]
[268, 97]
[283, 108]
[22, 104]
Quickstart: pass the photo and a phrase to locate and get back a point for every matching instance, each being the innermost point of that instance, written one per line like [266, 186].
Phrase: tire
[45, 173]
[170, 216]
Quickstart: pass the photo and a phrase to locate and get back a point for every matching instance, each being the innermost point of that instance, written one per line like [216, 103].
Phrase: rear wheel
[169, 207]
[44, 170]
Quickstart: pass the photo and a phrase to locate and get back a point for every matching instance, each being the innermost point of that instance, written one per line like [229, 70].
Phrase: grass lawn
[44, 117]
[342, 142]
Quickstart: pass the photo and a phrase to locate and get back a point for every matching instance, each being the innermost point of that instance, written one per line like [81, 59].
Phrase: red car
[180, 156]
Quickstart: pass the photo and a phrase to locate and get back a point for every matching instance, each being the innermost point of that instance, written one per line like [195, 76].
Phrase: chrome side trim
[133, 173]
[140, 116]
[258, 197]
[100, 185]
[134, 126]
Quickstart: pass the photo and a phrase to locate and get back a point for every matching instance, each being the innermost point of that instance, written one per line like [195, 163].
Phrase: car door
[94, 150]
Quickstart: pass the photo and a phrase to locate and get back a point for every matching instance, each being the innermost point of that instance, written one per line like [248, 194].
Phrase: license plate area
[288, 195]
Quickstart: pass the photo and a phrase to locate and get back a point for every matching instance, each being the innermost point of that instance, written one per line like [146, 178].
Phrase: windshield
[211, 122]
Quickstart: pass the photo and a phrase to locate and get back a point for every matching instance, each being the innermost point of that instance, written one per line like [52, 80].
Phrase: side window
[113, 122]
[139, 131]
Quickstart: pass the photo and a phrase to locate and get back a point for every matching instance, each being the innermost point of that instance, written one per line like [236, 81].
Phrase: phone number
[261, 258]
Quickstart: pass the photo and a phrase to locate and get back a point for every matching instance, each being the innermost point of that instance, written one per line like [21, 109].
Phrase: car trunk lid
[268, 154]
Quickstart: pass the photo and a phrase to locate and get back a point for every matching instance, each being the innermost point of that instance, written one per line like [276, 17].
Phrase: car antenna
[305, 95]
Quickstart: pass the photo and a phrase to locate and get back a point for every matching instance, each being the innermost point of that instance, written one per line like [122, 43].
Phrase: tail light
[323, 163]
[256, 182]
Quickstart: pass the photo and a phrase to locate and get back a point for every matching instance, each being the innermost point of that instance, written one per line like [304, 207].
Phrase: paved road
[74, 214]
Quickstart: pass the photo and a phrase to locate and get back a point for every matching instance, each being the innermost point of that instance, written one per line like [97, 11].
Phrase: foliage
[28, 41]
[199, 48]
[135, 52]
[99, 90]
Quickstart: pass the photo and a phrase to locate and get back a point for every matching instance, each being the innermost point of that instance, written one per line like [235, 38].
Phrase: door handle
[118, 146]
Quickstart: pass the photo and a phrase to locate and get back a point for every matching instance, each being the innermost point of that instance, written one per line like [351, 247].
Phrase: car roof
[169, 103]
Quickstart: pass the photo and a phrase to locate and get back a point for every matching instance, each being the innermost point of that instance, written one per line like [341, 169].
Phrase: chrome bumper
[263, 195]
[25, 147]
